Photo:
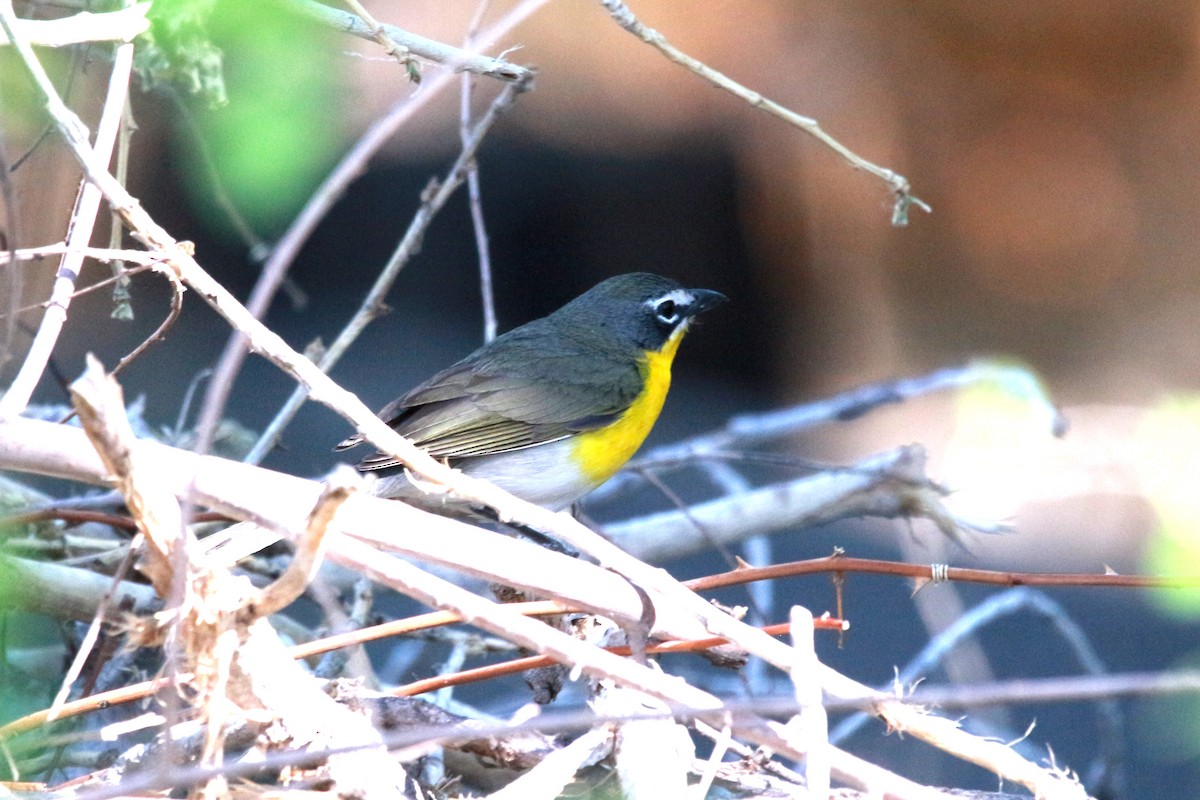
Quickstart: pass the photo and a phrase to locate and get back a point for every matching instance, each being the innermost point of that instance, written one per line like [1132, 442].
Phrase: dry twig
[905, 199]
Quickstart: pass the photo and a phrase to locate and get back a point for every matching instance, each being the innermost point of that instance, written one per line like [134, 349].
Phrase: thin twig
[274, 271]
[517, 665]
[996, 607]
[811, 723]
[453, 57]
[432, 202]
[896, 182]
[474, 193]
[160, 333]
[393, 48]
[85, 290]
[93, 632]
[101, 254]
[722, 742]
[256, 247]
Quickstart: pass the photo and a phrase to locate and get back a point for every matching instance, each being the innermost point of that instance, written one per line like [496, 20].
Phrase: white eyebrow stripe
[680, 296]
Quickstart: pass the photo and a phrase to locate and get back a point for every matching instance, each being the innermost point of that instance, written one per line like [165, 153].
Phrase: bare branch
[888, 485]
[109, 26]
[103, 254]
[101, 408]
[49, 448]
[432, 202]
[348, 169]
[896, 182]
[67, 592]
[455, 58]
[309, 550]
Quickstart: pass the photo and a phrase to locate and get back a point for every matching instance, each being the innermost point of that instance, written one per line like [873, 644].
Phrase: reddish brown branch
[533, 662]
[847, 564]
[76, 516]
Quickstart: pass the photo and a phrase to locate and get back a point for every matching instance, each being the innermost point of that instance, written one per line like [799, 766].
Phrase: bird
[552, 409]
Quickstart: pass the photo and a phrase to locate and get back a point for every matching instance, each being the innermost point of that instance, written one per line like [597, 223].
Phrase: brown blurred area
[1055, 142]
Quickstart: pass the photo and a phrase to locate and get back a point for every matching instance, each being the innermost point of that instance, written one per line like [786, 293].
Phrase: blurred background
[1056, 143]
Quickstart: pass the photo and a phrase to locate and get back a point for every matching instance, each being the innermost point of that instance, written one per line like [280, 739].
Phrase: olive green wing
[492, 404]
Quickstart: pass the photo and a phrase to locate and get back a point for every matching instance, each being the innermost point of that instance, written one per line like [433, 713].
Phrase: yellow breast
[600, 453]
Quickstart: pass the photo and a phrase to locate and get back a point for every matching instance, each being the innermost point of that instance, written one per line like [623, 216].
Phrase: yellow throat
[600, 453]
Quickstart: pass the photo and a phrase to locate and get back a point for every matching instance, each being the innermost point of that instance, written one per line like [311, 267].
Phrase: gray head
[639, 309]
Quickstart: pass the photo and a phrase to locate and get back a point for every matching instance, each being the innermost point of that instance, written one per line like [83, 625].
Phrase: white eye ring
[667, 312]
[670, 309]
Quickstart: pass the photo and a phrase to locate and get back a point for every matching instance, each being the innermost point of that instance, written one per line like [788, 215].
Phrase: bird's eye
[667, 312]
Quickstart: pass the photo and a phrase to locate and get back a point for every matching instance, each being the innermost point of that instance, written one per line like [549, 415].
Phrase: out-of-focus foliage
[22, 690]
[20, 106]
[278, 133]
[178, 52]
[1004, 426]
[1169, 469]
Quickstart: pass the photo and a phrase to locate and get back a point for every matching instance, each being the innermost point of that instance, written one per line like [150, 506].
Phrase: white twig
[551, 776]
[391, 46]
[247, 491]
[122, 25]
[1069, 689]
[652, 757]
[102, 254]
[83, 219]
[811, 724]
[722, 742]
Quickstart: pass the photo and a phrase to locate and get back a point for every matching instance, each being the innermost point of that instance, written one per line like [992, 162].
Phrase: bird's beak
[706, 299]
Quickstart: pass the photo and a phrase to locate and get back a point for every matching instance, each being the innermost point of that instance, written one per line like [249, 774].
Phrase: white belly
[544, 475]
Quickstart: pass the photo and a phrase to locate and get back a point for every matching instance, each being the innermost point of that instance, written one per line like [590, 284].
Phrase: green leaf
[279, 133]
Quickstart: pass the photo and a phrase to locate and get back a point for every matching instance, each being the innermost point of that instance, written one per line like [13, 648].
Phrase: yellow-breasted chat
[552, 409]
